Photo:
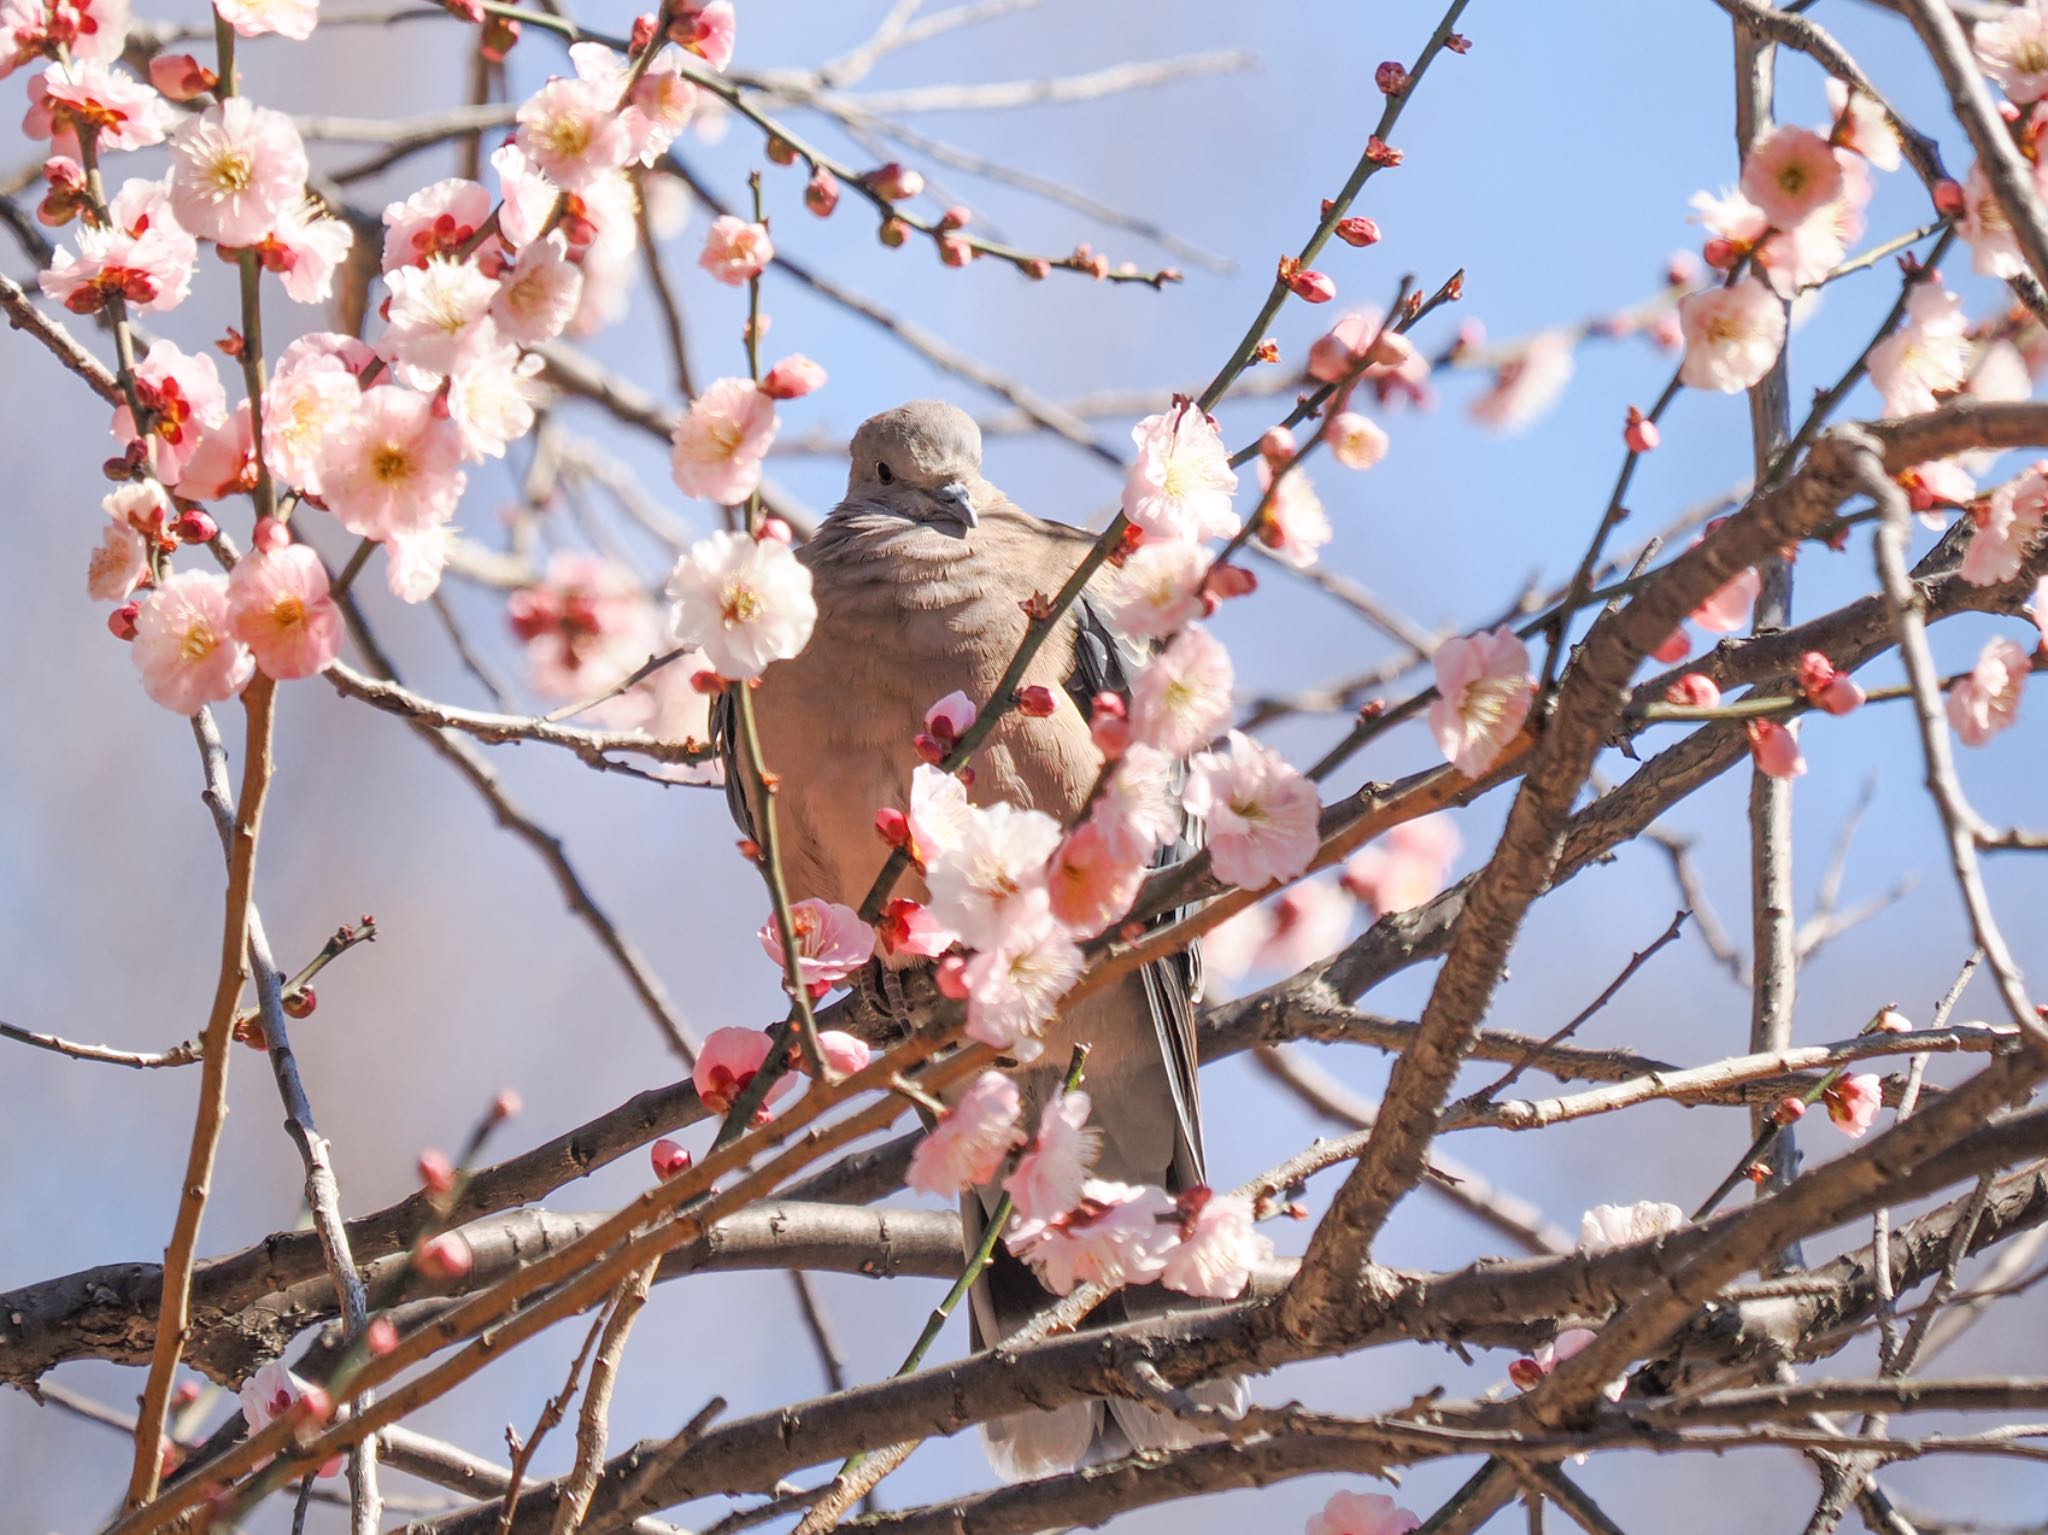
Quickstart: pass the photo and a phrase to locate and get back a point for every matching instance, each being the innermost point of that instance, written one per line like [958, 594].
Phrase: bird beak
[954, 502]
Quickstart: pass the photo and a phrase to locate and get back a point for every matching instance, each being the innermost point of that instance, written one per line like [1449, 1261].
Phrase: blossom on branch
[831, 942]
[1732, 335]
[1182, 483]
[744, 602]
[971, 1139]
[235, 169]
[185, 645]
[1182, 697]
[719, 444]
[279, 606]
[1262, 814]
[1484, 692]
[1053, 1167]
[1987, 700]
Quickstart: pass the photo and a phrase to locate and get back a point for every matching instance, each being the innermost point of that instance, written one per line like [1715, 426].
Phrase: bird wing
[1104, 663]
[725, 735]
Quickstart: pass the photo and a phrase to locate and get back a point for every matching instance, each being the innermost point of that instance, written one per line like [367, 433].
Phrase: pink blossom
[1262, 814]
[1294, 525]
[1994, 249]
[1484, 691]
[1014, 985]
[2006, 525]
[538, 297]
[235, 169]
[968, 1144]
[393, 466]
[1406, 867]
[585, 628]
[1356, 442]
[657, 108]
[125, 113]
[1861, 125]
[1182, 483]
[1118, 1234]
[2013, 49]
[273, 1392]
[939, 814]
[1732, 335]
[1305, 924]
[414, 561]
[1791, 174]
[223, 464]
[1233, 946]
[1048, 1177]
[571, 132]
[1695, 690]
[527, 197]
[1606, 1226]
[831, 940]
[793, 378]
[185, 646]
[1338, 353]
[491, 398]
[1089, 882]
[304, 248]
[1853, 1102]
[1797, 258]
[744, 602]
[735, 251]
[141, 255]
[1928, 357]
[844, 1054]
[440, 314]
[294, 19]
[312, 394]
[1158, 592]
[1182, 697]
[1527, 385]
[1775, 749]
[908, 927]
[728, 1064]
[94, 30]
[1139, 808]
[121, 562]
[707, 28]
[1825, 688]
[1219, 1246]
[183, 396]
[996, 860]
[280, 608]
[1362, 1513]
[1528, 1373]
[718, 446]
[1727, 609]
[437, 220]
[951, 717]
[1987, 700]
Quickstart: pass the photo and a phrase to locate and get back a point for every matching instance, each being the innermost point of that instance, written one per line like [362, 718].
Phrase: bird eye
[884, 473]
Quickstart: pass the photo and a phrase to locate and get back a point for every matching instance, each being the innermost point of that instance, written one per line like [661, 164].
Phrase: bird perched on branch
[922, 576]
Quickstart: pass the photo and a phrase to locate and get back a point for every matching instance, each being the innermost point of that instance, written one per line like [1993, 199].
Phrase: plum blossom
[1182, 697]
[1987, 700]
[141, 255]
[94, 30]
[1118, 1234]
[908, 927]
[1014, 985]
[440, 314]
[844, 1054]
[304, 248]
[1091, 881]
[1775, 749]
[526, 197]
[1139, 808]
[719, 444]
[736, 251]
[2006, 524]
[235, 169]
[278, 605]
[2013, 50]
[727, 1065]
[1606, 1226]
[793, 378]
[744, 602]
[968, 1144]
[1791, 174]
[121, 562]
[939, 814]
[491, 398]
[272, 1393]
[294, 19]
[1484, 691]
[1406, 867]
[659, 105]
[414, 560]
[585, 627]
[570, 132]
[1219, 1246]
[185, 647]
[982, 881]
[1262, 814]
[1362, 1513]
[707, 28]
[1527, 384]
[311, 395]
[951, 717]
[1294, 525]
[438, 220]
[831, 942]
[1158, 592]
[182, 395]
[1182, 482]
[126, 113]
[1356, 442]
[1994, 248]
[1853, 1102]
[1048, 1177]
[1927, 357]
[538, 296]
[1825, 688]
[1336, 355]
[1861, 125]
[1732, 335]
[393, 466]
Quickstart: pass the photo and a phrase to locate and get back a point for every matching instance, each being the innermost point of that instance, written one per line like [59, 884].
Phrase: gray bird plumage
[920, 574]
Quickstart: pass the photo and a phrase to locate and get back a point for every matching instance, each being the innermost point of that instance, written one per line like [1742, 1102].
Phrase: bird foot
[882, 989]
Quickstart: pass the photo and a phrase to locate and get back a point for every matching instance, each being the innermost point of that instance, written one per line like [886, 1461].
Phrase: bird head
[920, 462]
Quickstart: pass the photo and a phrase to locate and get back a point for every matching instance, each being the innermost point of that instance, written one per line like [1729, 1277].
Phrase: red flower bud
[1948, 199]
[197, 527]
[1036, 702]
[780, 151]
[1037, 268]
[893, 182]
[707, 682]
[181, 77]
[1380, 152]
[380, 1337]
[1789, 1111]
[301, 1003]
[1358, 231]
[893, 233]
[793, 378]
[1312, 286]
[1391, 77]
[437, 1173]
[892, 826]
[773, 530]
[186, 1394]
[1640, 433]
[1277, 446]
[821, 192]
[445, 1257]
[1721, 253]
[121, 622]
[955, 217]
[669, 1159]
[506, 1106]
[1525, 1374]
[1266, 351]
[955, 250]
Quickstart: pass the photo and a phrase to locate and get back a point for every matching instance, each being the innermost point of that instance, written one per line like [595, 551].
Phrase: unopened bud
[1891, 1021]
[1277, 446]
[1948, 199]
[821, 193]
[1036, 702]
[955, 217]
[955, 250]
[792, 379]
[180, 77]
[894, 183]
[380, 1337]
[1037, 268]
[1789, 1111]
[197, 527]
[893, 827]
[1380, 152]
[669, 1159]
[1525, 1374]
[1721, 253]
[893, 233]
[445, 1257]
[952, 978]
[1358, 231]
[506, 1106]
[301, 1003]
[185, 1395]
[1640, 433]
[780, 151]
[1267, 351]
[437, 1173]
[1312, 286]
[121, 622]
[1391, 77]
